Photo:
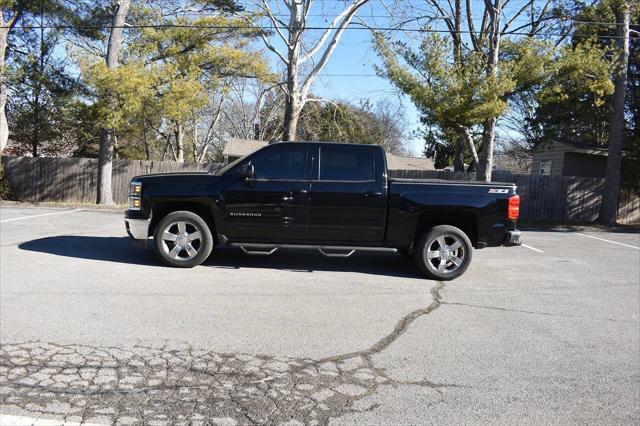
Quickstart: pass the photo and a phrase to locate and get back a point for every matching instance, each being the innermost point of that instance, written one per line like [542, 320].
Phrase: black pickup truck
[336, 198]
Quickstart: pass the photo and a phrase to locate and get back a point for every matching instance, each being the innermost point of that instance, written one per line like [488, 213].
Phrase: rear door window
[347, 163]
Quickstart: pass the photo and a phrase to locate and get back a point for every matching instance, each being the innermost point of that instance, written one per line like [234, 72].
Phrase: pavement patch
[184, 384]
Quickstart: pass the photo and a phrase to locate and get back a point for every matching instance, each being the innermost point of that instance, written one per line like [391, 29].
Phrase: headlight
[135, 188]
[135, 192]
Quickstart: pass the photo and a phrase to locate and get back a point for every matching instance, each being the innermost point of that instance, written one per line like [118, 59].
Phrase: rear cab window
[347, 163]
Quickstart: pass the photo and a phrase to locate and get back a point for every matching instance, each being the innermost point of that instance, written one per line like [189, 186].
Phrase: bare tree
[108, 136]
[6, 25]
[485, 39]
[611, 190]
[298, 54]
[390, 123]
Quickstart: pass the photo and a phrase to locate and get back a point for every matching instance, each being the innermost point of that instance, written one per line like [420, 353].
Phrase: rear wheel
[182, 239]
[444, 253]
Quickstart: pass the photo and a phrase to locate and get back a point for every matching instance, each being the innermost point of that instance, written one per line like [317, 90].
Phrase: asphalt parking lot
[93, 330]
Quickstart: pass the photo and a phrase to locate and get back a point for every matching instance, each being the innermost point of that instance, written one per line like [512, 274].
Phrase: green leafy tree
[44, 103]
[571, 103]
[465, 82]
[191, 64]
[458, 96]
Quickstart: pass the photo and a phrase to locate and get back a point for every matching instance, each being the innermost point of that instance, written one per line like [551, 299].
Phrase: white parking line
[13, 219]
[532, 248]
[609, 241]
[10, 420]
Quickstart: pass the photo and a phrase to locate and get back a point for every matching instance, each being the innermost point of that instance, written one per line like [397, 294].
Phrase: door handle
[371, 194]
[298, 191]
[293, 193]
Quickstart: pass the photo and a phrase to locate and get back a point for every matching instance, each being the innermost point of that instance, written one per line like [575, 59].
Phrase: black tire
[193, 241]
[439, 262]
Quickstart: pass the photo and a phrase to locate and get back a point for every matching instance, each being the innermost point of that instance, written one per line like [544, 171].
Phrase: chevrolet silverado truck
[333, 197]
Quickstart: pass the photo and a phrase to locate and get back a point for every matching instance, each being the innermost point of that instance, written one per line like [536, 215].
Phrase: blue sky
[350, 74]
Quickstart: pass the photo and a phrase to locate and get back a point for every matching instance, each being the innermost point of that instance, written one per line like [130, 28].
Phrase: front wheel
[182, 239]
[444, 253]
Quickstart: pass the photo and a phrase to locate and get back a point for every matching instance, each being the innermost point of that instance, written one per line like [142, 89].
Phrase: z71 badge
[498, 191]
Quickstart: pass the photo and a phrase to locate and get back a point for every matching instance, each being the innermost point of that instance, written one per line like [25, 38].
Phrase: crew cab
[334, 197]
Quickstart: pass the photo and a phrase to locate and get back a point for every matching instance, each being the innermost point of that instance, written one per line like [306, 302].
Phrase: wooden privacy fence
[544, 198]
[74, 180]
[567, 199]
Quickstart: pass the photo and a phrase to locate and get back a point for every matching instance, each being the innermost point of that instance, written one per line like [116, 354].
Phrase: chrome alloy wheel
[445, 254]
[181, 240]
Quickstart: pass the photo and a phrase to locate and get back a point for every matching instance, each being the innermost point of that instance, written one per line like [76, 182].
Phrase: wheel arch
[466, 221]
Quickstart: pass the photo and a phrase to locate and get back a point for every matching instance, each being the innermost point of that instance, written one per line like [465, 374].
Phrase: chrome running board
[343, 251]
[265, 252]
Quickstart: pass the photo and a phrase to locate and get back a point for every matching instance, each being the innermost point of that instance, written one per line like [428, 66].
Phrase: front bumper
[513, 238]
[138, 230]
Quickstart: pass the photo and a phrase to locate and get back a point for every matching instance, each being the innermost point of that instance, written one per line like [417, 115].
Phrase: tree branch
[331, 47]
[330, 29]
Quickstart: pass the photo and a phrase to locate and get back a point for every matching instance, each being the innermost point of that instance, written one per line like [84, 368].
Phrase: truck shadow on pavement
[120, 250]
[310, 261]
[109, 249]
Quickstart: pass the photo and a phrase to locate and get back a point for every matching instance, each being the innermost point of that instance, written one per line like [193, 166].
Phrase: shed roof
[581, 148]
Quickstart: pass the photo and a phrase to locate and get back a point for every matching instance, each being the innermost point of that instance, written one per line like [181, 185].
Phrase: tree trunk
[147, 150]
[105, 156]
[4, 126]
[485, 160]
[5, 28]
[35, 137]
[180, 142]
[611, 191]
[37, 91]
[466, 137]
[195, 142]
[291, 117]
[292, 105]
[457, 35]
[458, 156]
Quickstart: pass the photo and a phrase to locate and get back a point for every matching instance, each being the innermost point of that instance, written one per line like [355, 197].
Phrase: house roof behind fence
[241, 147]
[400, 162]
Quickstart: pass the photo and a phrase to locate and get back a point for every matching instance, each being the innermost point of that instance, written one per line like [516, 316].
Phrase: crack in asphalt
[521, 311]
[183, 385]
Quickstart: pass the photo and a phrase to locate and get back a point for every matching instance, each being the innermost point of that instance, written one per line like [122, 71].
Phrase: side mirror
[247, 171]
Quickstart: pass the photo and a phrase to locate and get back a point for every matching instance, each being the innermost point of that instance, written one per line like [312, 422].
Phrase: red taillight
[514, 207]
